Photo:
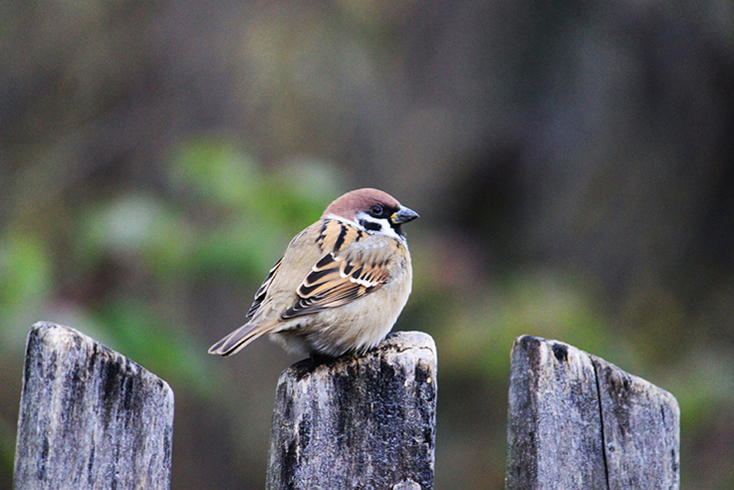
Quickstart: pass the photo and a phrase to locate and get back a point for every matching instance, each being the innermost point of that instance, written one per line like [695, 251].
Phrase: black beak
[403, 215]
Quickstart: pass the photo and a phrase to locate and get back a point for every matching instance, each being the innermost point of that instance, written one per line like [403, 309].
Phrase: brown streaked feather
[263, 290]
[336, 236]
[337, 279]
[235, 341]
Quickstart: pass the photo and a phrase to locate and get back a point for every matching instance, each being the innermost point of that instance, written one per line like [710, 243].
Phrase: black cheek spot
[370, 225]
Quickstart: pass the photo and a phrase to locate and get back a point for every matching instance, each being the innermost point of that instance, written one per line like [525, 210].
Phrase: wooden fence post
[89, 417]
[578, 422]
[364, 422]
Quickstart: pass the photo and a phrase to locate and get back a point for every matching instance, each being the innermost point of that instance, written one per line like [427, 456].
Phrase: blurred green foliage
[137, 255]
[25, 275]
[572, 165]
[128, 271]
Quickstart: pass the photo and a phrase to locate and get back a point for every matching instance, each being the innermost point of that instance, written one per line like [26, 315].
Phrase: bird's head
[372, 210]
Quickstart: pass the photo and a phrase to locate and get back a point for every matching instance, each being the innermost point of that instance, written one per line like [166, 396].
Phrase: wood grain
[363, 422]
[89, 417]
[576, 421]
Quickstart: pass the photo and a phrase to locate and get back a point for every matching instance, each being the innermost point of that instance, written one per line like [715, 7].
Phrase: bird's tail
[237, 340]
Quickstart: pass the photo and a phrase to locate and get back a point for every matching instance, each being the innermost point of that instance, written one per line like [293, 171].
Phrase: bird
[341, 284]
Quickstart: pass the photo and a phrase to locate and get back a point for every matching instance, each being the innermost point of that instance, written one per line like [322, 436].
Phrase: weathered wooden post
[89, 417]
[363, 422]
[578, 422]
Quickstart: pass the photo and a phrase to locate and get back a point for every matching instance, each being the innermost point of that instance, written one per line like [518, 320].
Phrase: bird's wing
[341, 277]
[248, 332]
[263, 290]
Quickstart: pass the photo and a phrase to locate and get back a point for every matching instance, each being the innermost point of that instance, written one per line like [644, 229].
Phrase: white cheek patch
[390, 231]
[376, 226]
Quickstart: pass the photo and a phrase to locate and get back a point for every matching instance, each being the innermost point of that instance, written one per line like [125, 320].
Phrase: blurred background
[572, 162]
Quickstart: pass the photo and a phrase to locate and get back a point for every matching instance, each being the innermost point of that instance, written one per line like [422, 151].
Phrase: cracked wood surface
[363, 421]
[575, 421]
[90, 418]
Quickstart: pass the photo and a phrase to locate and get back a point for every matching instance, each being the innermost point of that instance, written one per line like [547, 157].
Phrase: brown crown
[360, 200]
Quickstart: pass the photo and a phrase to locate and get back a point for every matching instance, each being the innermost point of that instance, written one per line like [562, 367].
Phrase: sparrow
[341, 284]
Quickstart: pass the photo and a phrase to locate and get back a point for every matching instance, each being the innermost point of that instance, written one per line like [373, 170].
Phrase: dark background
[572, 162]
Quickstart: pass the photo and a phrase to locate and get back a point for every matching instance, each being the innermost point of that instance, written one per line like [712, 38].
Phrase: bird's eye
[376, 210]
